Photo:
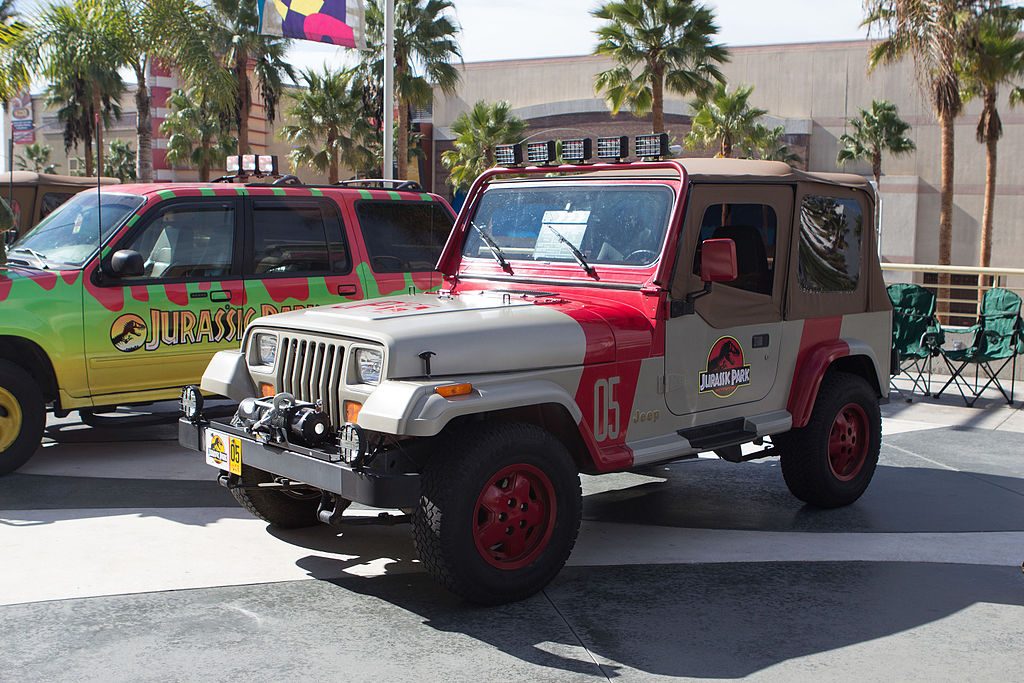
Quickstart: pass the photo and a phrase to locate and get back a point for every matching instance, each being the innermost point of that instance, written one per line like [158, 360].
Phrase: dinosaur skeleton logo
[128, 333]
[726, 371]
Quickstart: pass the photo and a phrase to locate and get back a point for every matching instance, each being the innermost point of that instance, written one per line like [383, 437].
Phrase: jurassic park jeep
[183, 270]
[595, 318]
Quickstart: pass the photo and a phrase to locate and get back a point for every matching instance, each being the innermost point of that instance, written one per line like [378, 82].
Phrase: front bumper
[369, 487]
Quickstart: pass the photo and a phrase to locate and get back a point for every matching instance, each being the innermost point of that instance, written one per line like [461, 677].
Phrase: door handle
[220, 295]
[347, 290]
[760, 341]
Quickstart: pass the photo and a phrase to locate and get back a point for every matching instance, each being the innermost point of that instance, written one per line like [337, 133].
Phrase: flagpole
[389, 89]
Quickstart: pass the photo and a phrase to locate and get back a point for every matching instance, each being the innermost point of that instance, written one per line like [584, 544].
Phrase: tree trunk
[402, 144]
[946, 124]
[332, 150]
[204, 171]
[87, 130]
[876, 168]
[991, 145]
[144, 130]
[98, 119]
[658, 101]
[244, 101]
[726, 148]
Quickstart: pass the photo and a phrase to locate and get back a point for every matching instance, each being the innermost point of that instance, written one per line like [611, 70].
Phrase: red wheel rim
[848, 442]
[514, 516]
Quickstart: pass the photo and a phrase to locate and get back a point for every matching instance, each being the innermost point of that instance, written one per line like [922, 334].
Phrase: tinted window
[753, 227]
[616, 224]
[831, 231]
[296, 237]
[403, 236]
[193, 241]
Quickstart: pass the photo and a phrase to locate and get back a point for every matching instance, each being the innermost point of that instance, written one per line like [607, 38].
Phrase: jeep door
[726, 353]
[403, 240]
[157, 330]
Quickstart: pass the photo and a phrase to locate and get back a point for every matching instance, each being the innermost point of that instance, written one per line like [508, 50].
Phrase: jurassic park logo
[726, 371]
[130, 332]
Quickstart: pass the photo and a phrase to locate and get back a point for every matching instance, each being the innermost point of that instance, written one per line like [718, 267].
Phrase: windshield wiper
[40, 258]
[576, 253]
[496, 251]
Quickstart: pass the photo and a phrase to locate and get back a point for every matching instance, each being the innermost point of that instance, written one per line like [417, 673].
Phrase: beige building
[811, 89]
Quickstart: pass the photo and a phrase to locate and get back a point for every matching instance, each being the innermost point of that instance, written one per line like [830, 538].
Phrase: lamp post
[389, 89]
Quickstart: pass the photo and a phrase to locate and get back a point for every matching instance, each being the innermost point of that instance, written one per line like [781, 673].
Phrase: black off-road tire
[22, 388]
[275, 507]
[806, 464]
[454, 483]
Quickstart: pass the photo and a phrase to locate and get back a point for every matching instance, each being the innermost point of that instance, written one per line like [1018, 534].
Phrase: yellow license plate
[224, 451]
[235, 456]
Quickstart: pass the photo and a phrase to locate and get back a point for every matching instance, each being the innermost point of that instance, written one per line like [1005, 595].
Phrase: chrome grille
[310, 370]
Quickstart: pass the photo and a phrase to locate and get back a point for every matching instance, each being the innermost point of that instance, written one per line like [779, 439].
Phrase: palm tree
[725, 119]
[197, 134]
[79, 47]
[477, 132]
[36, 158]
[657, 44]
[996, 60]
[766, 144]
[120, 161]
[876, 131]
[936, 34]
[329, 127]
[425, 49]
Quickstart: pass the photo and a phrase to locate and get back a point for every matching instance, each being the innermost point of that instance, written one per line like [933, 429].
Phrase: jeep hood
[480, 332]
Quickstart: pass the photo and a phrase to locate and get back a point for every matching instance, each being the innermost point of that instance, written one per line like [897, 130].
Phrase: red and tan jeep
[596, 318]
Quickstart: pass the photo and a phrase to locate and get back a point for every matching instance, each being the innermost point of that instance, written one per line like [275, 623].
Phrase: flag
[338, 22]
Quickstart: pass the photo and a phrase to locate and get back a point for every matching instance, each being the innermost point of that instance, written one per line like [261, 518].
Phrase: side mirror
[718, 261]
[127, 263]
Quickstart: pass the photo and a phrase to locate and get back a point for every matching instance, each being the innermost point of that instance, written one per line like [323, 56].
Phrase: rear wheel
[499, 512]
[829, 463]
[287, 510]
[22, 417]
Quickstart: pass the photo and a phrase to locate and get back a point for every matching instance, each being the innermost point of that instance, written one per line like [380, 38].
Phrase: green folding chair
[916, 334]
[997, 342]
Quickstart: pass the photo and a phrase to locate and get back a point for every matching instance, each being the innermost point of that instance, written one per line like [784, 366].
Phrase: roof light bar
[653, 146]
[267, 164]
[577, 149]
[508, 155]
[541, 153]
[233, 164]
[249, 163]
[613, 148]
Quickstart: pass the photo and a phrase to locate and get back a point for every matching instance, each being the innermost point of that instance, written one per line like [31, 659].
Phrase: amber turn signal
[453, 390]
[266, 390]
[352, 409]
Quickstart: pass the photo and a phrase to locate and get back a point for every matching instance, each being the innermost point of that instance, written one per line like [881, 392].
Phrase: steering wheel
[641, 256]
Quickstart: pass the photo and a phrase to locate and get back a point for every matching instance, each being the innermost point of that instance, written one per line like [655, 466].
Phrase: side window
[754, 228]
[51, 200]
[192, 241]
[296, 237]
[403, 236]
[831, 232]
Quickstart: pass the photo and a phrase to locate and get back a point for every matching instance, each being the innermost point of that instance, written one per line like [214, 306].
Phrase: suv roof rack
[381, 183]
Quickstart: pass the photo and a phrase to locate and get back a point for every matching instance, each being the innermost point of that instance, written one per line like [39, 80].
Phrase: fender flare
[811, 368]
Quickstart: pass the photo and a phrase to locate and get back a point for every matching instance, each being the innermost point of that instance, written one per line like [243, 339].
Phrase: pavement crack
[576, 635]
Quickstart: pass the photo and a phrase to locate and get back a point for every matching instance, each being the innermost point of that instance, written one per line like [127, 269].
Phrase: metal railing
[959, 299]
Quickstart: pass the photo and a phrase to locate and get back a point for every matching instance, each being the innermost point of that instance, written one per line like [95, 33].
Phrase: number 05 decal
[606, 409]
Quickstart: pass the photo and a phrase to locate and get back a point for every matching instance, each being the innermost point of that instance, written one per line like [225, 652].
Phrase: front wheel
[22, 417]
[829, 463]
[499, 512]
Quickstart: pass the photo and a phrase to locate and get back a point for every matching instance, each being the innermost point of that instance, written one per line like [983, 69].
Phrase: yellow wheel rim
[10, 419]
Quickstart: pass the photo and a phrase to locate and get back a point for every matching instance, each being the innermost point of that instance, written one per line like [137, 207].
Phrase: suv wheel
[499, 512]
[22, 417]
[283, 510]
[830, 462]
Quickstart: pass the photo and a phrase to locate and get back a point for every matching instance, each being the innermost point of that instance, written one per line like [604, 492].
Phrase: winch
[285, 419]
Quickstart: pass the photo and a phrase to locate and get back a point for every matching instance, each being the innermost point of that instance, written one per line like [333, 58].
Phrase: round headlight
[369, 365]
[266, 349]
[191, 402]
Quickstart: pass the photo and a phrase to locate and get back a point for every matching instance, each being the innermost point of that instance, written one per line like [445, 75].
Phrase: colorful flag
[338, 22]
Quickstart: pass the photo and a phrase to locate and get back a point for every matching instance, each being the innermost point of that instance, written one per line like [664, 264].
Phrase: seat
[916, 334]
[997, 341]
[751, 258]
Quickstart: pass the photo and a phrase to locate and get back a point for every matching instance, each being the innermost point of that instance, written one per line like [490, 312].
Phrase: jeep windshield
[611, 225]
[71, 234]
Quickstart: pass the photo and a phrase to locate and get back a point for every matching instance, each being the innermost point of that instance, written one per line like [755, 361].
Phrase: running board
[720, 435]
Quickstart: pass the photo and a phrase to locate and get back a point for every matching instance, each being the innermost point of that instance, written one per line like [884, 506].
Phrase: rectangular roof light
[541, 153]
[577, 149]
[508, 155]
[613, 148]
[653, 146]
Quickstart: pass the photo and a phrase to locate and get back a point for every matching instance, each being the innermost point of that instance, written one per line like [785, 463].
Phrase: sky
[517, 29]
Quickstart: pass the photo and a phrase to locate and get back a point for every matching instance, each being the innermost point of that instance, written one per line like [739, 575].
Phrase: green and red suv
[183, 270]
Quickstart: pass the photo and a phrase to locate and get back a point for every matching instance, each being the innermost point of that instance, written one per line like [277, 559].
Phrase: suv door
[180, 311]
[727, 353]
[403, 241]
[298, 253]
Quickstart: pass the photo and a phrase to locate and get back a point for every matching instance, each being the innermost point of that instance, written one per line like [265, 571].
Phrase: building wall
[811, 89]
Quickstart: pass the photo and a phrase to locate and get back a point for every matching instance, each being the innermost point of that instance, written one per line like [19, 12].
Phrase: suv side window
[192, 241]
[291, 236]
[831, 232]
[754, 229]
[403, 236]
